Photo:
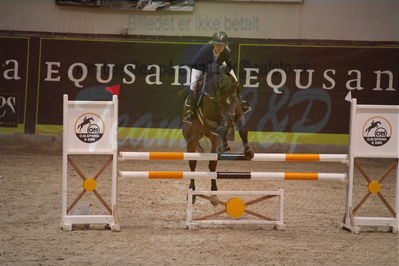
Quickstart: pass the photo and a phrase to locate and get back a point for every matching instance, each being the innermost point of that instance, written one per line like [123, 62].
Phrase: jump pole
[265, 176]
[260, 157]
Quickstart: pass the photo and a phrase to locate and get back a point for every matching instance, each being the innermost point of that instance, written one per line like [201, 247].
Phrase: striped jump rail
[278, 157]
[234, 175]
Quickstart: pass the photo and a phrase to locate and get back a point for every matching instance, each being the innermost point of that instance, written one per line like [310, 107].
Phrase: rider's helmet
[220, 38]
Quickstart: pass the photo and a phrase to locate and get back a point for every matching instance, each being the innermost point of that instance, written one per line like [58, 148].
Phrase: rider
[216, 52]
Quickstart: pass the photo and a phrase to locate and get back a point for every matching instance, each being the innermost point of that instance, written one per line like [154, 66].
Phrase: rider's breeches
[196, 83]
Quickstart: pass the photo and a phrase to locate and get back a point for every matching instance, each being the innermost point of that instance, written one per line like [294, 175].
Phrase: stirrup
[188, 117]
[245, 107]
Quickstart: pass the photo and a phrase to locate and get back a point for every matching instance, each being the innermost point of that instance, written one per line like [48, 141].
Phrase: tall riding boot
[244, 104]
[191, 103]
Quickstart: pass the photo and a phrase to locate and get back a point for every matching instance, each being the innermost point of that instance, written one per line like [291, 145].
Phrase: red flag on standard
[114, 89]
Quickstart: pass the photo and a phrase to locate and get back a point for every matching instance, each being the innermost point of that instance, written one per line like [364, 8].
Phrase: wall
[360, 20]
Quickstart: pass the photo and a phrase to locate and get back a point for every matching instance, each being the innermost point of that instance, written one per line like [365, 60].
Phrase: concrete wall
[361, 20]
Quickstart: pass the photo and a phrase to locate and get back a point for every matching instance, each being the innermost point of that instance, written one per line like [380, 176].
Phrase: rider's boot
[191, 103]
[244, 104]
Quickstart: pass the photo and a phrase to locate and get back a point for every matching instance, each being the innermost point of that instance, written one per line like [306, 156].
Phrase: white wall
[362, 20]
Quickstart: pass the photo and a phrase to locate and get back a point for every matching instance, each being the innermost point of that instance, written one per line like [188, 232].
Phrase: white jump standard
[373, 134]
[90, 127]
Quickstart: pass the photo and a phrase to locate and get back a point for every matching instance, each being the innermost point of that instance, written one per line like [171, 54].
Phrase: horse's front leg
[249, 154]
[224, 147]
[241, 126]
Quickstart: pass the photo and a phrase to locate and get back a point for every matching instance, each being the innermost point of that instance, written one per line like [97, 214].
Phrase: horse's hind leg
[193, 165]
[192, 140]
[212, 167]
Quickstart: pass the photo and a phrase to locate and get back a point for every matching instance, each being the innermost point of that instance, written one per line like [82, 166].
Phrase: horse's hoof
[249, 154]
[214, 200]
[222, 149]
[219, 149]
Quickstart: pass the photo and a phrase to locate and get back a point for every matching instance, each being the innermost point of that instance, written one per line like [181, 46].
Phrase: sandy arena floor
[152, 215]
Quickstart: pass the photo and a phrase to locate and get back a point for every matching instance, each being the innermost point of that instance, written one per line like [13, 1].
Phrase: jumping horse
[218, 112]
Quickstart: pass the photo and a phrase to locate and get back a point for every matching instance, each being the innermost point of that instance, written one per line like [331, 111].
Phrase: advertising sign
[298, 88]
[153, 78]
[13, 81]
[9, 110]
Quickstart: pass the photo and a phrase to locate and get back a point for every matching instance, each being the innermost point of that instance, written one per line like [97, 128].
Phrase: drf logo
[89, 127]
[8, 110]
[377, 131]
[7, 104]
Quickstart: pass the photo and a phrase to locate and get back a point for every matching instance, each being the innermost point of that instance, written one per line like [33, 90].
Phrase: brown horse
[218, 112]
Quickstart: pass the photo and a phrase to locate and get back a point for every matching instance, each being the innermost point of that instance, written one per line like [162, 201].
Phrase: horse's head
[221, 91]
[225, 91]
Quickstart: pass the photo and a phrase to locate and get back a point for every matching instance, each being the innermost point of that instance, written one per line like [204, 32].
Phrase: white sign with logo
[91, 126]
[375, 131]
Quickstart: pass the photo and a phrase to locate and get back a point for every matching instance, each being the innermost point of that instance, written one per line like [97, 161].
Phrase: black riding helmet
[220, 38]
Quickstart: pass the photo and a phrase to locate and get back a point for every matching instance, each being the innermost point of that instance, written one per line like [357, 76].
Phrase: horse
[85, 122]
[218, 111]
[373, 125]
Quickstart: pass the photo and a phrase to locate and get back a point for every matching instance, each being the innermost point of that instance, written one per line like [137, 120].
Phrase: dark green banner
[303, 88]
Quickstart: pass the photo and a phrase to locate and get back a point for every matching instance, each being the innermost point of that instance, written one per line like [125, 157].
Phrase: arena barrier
[371, 127]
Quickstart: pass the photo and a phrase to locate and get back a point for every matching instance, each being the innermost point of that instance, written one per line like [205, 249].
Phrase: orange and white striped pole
[234, 175]
[280, 157]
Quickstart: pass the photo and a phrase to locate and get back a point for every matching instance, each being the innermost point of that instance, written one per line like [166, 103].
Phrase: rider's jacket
[205, 57]
[204, 61]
